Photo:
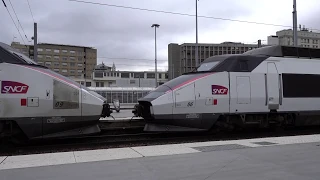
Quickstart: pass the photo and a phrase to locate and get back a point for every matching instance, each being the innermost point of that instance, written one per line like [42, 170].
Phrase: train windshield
[207, 66]
[17, 58]
[157, 92]
[210, 63]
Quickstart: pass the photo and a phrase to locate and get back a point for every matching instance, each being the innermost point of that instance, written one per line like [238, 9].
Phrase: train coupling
[106, 110]
[137, 110]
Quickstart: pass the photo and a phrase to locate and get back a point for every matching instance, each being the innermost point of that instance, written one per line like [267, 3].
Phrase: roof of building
[102, 66]
[221, 44]
[66, 45]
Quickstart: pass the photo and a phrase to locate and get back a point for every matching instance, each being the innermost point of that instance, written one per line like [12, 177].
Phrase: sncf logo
[219, 90]
[11, 87]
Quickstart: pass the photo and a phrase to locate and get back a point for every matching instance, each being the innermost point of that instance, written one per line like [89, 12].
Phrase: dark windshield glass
[20, 57]
[207, 66]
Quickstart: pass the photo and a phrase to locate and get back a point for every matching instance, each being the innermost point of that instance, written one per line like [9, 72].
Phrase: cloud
[127, 33]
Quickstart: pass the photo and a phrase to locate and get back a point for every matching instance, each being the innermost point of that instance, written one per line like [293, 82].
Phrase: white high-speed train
[274, 85]
[36, 102]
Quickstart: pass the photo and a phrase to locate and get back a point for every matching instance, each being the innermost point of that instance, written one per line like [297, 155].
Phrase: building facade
[106, 76]
[181, 58]
[306, 38]
[68, 60]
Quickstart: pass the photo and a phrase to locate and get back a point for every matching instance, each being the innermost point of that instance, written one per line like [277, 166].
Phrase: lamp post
[295, 24]
[197, 34]
[155, 50]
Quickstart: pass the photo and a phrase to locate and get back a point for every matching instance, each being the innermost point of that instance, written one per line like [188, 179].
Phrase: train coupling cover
[106, 111]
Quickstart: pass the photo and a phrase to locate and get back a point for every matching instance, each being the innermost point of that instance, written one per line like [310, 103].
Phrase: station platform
[291, 157]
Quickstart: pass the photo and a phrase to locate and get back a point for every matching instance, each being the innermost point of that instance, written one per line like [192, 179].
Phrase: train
[37, 103]
[271, 86]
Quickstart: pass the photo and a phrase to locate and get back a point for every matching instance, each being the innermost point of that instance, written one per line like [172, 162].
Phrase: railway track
[129, 139]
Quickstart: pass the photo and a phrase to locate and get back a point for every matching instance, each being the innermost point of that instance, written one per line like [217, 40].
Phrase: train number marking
[192, 116]
[59, 104]
[55, 120]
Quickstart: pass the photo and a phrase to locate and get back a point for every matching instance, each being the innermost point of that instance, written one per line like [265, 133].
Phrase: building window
[79, 65]
[72, 58]
[56, 57]
[64, 51]
[98, 74]
[56, 64]
[99, 84]
[72, 64]
[48, 63]
[48, 57]
[40, 49]
[79, 71]
[40, 56]
[48, 50]
[125, 75]
[159, 76]
[56, 70]
[166, 76]
[138, 75]
[88, 84]
[150, 75]
[79, 58]
[64, 70]
[64, 64]
[56, 51]
[40, 62]
[72, 52]
[64, 58]
[72, 71]
[132, 81]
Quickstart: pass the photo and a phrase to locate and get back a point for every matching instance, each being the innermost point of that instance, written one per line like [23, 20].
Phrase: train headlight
[151, 110]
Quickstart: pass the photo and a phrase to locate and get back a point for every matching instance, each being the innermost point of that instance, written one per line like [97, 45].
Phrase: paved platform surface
[292, 158]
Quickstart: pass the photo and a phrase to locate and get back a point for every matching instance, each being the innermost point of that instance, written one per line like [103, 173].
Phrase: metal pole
[196, 34]
[35, 43]
[155, 59]
[294, 13]
[155, 51]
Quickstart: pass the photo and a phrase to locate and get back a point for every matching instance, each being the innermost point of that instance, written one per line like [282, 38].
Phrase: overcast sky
[126, 33]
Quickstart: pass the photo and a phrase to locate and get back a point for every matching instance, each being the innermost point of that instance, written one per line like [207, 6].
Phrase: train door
[243, 90]
[272, 86]
[185, 106]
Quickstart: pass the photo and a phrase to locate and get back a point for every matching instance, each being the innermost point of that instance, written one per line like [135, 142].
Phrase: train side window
[304, 52]
[244, 66]
[300, 85]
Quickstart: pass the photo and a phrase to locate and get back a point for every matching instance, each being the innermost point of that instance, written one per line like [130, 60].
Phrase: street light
[197, 33]
[155, 50]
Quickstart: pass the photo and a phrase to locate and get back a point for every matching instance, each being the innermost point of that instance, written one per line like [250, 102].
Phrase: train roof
[285, 51]
[121, 88]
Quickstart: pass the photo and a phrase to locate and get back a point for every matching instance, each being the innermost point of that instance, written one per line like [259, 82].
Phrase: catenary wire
[18, 19]
[14, 22]
[182, 14]
[30, 10]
